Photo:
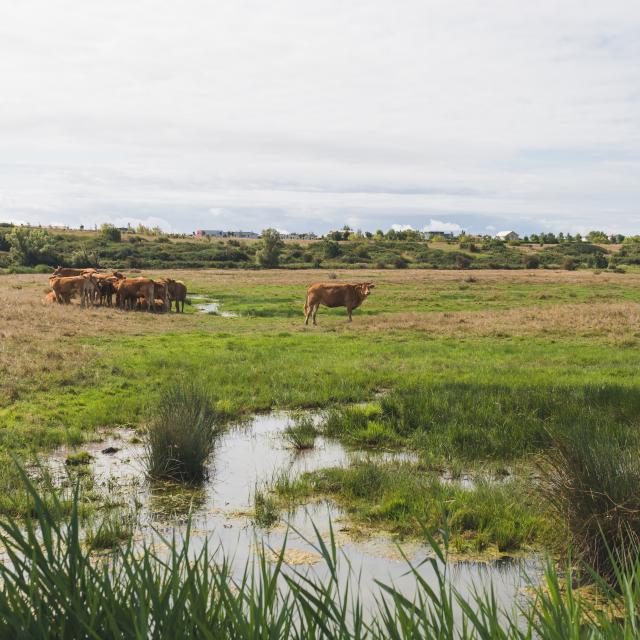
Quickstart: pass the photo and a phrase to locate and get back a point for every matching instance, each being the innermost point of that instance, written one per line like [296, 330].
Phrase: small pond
[252, 455]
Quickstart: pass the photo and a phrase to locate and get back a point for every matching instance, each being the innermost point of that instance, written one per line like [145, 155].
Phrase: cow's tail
[306, 306]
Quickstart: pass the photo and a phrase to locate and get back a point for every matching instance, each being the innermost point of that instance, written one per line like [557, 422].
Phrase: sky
[306, 116]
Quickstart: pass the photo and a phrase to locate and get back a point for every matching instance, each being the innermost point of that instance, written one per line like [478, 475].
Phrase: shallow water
[252, 455]
[206, 305]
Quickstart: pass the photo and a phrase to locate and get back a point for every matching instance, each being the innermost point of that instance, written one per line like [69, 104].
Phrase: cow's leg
[349, 310]
[315, 313]
[307, 313]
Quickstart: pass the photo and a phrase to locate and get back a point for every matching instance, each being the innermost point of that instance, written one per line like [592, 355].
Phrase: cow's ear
[370, 285]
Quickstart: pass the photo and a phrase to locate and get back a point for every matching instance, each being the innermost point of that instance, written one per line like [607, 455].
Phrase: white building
[507, 236]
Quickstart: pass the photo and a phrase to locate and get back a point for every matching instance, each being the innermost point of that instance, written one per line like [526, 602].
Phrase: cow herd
[95, 288]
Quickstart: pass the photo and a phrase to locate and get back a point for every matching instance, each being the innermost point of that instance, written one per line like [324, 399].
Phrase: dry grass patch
[619, 322]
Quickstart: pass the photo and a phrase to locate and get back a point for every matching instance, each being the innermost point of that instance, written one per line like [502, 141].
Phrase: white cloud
[317, 115]
[402, 227]
[439, 225]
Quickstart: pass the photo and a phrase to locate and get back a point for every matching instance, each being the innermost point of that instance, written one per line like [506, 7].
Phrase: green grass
[258, 372]
[405, 497]
[475, 422]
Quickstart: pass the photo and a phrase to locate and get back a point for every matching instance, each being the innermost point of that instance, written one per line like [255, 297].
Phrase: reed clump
[591, 478]
[182, 434]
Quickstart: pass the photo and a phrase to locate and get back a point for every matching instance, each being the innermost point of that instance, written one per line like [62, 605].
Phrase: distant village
[427, 235]
[346, 233]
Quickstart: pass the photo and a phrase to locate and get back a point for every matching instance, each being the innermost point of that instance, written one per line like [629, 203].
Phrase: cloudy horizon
[306, 117]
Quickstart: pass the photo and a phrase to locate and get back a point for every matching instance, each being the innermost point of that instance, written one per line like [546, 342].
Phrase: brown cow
[177, 292]
[335, 294]
[65, 287]
[128, 290]
[50, 298]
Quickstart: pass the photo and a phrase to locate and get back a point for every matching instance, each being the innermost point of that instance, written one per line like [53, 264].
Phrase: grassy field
[474, 368]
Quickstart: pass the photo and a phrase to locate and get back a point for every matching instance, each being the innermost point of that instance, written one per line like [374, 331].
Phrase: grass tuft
[115, 529]
[265, 508]
[78, 459]
[182, 434]
[301, 433]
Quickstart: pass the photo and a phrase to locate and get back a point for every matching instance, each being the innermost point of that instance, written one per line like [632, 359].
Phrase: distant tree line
[24, 247]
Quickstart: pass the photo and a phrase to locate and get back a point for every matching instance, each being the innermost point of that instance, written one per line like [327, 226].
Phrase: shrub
[569, 264]
[531, 261]
[400, 263]
[110, 233]
[331, 249]
[181, 435]
[272, 245]
[30, 246]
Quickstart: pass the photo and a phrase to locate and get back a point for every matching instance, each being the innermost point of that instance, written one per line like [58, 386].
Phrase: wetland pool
[251, 455]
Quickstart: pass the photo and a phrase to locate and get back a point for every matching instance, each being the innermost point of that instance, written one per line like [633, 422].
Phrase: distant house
[445, 235]
[507, 236]
[207, 233]
[241, 234]
[218, 233]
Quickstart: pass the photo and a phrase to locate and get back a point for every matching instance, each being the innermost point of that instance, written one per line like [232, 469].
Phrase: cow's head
[365, 288]
[56, 271]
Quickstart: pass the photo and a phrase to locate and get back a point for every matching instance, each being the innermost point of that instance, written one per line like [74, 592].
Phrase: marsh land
[451, 388]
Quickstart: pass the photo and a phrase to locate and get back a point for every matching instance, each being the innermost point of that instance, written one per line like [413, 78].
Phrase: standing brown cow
[335, 294]
[177, 291]
[65, 287]
[128, 290]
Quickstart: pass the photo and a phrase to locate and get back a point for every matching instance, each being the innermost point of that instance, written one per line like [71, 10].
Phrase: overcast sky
[305, 115]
